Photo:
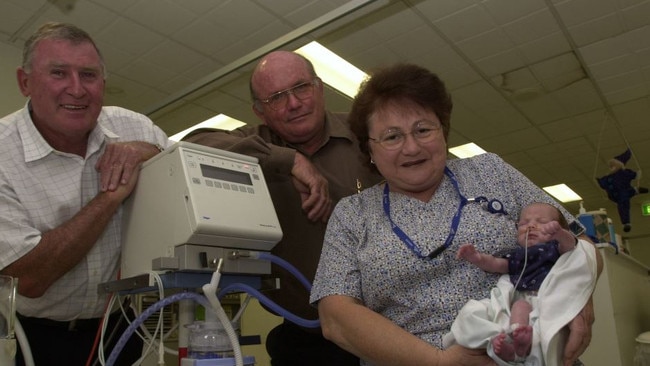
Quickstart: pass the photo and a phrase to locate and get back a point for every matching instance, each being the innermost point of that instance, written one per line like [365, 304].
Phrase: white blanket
[562, 295]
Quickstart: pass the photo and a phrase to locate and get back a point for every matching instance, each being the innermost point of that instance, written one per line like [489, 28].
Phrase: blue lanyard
[452, 230]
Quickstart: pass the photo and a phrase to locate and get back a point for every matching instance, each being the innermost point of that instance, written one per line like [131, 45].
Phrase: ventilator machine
[192, 205]
[200, 221]
[199, 224]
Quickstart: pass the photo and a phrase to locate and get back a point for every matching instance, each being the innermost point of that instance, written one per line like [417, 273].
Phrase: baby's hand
[549, 230]
[553, 231]
[467, 252]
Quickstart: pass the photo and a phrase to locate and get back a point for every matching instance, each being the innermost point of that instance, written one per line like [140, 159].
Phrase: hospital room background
[555, 87]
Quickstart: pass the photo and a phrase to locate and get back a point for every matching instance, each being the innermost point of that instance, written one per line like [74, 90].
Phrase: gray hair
[58, 31]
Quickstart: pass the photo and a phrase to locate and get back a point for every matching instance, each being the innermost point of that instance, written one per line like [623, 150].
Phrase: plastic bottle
[642, 356]
[612, 233]
[208, 340]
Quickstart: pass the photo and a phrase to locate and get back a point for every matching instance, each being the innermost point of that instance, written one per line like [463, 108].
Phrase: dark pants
[70, 343]
[291, 345]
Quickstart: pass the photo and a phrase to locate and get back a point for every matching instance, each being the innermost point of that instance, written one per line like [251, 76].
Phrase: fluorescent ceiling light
[220, 121]
[467, 150]
[563, 193]
[332, 69]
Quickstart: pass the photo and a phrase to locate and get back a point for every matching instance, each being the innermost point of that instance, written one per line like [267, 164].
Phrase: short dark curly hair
[398, 82]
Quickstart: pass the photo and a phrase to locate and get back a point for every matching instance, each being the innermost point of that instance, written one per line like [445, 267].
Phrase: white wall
[10, 98]
[622, 310]
[640, 250]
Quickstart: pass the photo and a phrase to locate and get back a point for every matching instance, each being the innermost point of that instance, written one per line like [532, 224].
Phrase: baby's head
[534, 215]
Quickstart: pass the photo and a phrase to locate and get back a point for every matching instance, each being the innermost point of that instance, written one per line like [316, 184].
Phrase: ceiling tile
[173, 56]
[29, 5]
[595, 30]
[632, 112]
[178, 82]
[438, 9]
[87, 15]
[516, 80]
[501, 63]
[366, 60]
[542, 108]
[252, 41]
[502, 120]
[147, 73]
[475, 21]
[602, 51]
[212, 40]
[161, 16]
[636, 16]
[239, 18]
[392, 20]
[12, 17]
[614, 66]
[574, 12]
[516, 141]
[115, 58]
[120, 88]
[200, 70]
[120, 35]
[533, 26]
[506, 11]
[414, 43]
[467, 126]
[486, 44]
[566, 63]
[296, 11]
[479, 96]
[146, 97]
[545, 47]
[621, 81]
[200, 7]
[116, 6]
[517, 89]
[350, 40]
[629, 93]
[637, 39]
[572, 127]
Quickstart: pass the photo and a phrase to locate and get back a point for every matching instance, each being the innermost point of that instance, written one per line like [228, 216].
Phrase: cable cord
[525, 259]
[19, 332]
[146, 314]
[211, 300]
[24, 343]
[159, 326]
[242, 308]
[147, 338]
[99, 333]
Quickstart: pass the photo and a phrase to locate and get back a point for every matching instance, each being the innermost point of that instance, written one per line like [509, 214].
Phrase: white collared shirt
[41, 188]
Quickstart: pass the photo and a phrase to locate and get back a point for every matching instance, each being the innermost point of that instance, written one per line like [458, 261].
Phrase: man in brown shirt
[310, 160]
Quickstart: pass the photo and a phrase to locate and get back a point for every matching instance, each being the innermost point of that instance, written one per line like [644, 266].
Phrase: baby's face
[531, 218]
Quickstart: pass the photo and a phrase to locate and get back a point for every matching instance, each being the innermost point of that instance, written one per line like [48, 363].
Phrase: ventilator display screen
[228, 175]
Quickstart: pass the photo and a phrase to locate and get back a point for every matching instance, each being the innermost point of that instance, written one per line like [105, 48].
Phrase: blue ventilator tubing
[235, 287]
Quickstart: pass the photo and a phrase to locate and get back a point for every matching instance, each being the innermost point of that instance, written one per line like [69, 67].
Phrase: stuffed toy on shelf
[618, 185]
